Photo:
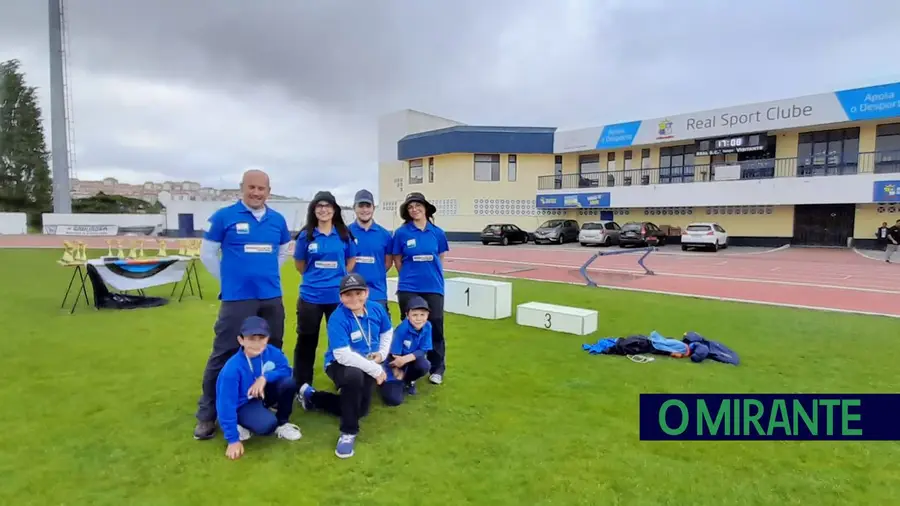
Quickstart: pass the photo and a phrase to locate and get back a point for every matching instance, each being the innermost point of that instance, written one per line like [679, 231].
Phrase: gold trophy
[182, 248]
[161, 243]
[132, 252]
[109, 245]
[68, 253]
[140, 248]
[121, 252]
[80, 252]
[195, 248]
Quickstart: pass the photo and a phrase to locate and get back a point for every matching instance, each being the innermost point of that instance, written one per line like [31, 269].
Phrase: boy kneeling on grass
[359, 338]
[410, 344]
[255, 378]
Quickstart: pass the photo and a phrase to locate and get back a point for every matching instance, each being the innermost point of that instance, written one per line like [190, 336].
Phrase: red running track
[837, 280]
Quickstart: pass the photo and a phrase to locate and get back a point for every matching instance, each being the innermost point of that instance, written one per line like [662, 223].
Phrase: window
[676, 164]
[645, 158]
[828, 152]
[431, 170]
[588, 164]
[887, 148]
[487, 167]
[511, 168]
[592, 226]
[611, 226]
[557, 171]
[610, 162]
[628, 160]
[415, 171]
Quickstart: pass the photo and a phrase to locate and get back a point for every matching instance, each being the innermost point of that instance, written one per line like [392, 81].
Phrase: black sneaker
[205, 430]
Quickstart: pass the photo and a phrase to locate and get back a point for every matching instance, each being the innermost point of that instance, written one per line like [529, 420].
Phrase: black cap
[417, 303]
[255, 326]
[364, 197]
[352, 281]
[324, 196]
[416, 197]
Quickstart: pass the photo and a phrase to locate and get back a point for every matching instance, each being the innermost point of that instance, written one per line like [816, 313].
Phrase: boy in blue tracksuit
[407, 362]
[256, 377]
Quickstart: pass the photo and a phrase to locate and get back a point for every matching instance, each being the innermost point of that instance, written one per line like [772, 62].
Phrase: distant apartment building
[149, 191]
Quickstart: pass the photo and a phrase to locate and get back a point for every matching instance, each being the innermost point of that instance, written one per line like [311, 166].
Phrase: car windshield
[492, 228]
[631, 227]
[592, 226]
[552, 224]
[698, 228]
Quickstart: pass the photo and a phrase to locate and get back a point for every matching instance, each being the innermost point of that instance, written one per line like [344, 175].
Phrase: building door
[823, 224]
[185, 224]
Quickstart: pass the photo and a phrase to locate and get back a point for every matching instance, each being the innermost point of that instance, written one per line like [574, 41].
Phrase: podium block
[479, 298]
[570, 320]
[392, 289]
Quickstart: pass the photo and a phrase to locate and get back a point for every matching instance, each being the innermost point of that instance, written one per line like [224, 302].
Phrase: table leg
[84, 277]
[197, 280]
[69, 288]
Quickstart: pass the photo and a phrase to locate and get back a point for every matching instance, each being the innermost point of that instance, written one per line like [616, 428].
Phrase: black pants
[354, 397]
[309, 321]
[436, 317]
[393, 392]
[227, 327]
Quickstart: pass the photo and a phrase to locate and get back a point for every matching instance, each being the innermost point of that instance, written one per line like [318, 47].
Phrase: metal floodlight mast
[59, 153]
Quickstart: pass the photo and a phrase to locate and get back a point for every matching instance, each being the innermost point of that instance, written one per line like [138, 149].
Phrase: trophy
[162, 248]
[182, 248]
[121, 252]
[132, 252]
[68, 253]
[195, 248]
[80, 252]
[109, 245]
[140, 248]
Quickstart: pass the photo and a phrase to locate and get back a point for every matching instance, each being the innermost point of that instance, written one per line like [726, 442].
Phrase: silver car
[599, 232]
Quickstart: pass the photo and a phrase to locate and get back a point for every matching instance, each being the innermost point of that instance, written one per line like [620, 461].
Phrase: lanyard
[251, 364]
[367, 337]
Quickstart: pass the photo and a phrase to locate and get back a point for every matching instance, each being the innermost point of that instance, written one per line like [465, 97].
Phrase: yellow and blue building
[816, 170]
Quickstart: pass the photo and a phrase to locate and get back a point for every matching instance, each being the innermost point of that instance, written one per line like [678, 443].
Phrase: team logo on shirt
[313, 247]
[324, 264]
[257, 248]
[423, 258]
[355, 336]
[242, 228]
[268, 366]
[365, 260]
[410, 243]
[407, 343]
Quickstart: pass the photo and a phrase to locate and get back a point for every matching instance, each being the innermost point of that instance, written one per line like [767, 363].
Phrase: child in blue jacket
[255, 378]
[407, 362]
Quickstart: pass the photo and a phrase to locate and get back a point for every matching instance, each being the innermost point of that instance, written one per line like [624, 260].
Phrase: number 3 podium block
[480, 298]
[571, 320]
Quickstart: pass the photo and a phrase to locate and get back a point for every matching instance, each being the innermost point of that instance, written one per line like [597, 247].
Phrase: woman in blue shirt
[323, 254]
[419, 248]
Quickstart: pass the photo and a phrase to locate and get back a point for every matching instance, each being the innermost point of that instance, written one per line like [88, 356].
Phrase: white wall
[854, 189]
[13, 223]
[397, 125]
[119, 220]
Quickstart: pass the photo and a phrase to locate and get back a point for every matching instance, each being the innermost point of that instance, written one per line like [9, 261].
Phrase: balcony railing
[881, 162]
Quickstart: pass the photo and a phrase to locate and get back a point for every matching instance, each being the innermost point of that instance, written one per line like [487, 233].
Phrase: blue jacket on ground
[702, 348]
[236, 378]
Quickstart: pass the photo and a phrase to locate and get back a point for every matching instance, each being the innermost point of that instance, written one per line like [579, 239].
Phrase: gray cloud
[204, 89]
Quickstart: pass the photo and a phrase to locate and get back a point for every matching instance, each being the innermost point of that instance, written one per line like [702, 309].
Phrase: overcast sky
[204, 89]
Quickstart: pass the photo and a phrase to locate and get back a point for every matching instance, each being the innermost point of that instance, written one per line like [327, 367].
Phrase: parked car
[558, 231]
[704, 235]
[503, 233]
[599, 232]
[641, 233]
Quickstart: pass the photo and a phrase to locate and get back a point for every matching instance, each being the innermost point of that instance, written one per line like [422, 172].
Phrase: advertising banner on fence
[572, 201]
[83, 230]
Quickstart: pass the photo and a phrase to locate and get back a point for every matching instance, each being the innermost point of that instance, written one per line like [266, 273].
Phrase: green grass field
[97, 409]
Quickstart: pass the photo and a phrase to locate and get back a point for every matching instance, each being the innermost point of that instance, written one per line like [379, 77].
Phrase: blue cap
[255, 326]
[417, 303]
[364, 197]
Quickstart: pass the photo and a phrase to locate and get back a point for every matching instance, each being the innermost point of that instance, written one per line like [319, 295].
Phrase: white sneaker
[243, 433]
[437, 379]
[288, 431]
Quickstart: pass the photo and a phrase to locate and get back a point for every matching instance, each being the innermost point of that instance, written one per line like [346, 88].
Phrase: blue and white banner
[572, 200]
[874, 102]
[138, 274]
[886, 191]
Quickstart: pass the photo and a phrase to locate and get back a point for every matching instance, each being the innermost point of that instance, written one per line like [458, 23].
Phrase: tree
[114, 204]
[25, 184]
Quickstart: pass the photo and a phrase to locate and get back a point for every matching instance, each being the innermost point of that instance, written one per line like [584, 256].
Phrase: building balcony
[880, 162]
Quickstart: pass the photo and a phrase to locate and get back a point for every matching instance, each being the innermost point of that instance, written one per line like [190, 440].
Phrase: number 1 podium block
[480, 298]
[571, 320]
[392, 289]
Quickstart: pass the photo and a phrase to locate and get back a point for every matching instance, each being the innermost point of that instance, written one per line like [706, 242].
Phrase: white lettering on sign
[84, 230]
[747, 119]
[423, 258]
[257, 248]
[324, 264]
[365, 260]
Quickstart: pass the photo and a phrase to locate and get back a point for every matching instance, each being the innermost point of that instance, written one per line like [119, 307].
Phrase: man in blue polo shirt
[373, 248]
[253, 240]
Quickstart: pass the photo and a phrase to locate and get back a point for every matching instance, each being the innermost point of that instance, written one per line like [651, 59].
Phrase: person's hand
[398, 373]
[258, 388]
[375, 357]
[380, 378]
[399, 361]
[234, 450]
